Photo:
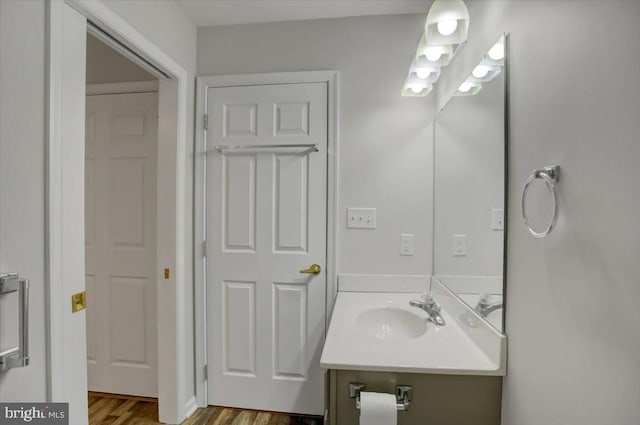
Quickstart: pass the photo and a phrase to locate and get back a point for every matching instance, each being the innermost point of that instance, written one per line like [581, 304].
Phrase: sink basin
[391, 324]
[379, 331]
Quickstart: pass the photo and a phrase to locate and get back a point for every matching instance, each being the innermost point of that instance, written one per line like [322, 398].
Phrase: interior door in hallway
[120, 247]
[266, 221]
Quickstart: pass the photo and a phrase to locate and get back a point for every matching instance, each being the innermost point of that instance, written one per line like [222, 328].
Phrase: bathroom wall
[22, 130]
[165, 24]
[385, 144]
[573, 299]
[22, 122]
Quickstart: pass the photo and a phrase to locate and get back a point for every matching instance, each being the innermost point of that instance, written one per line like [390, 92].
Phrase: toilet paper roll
[378, 409]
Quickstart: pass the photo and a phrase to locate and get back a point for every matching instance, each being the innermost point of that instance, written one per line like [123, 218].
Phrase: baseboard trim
[190, 407]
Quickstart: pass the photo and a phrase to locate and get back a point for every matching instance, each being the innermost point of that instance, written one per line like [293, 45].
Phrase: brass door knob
[313, 269]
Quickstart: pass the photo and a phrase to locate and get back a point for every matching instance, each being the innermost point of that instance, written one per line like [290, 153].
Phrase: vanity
[378, 340]
[389, 339]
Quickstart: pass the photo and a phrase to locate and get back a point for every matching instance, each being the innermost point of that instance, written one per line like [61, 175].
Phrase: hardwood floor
[111, 409]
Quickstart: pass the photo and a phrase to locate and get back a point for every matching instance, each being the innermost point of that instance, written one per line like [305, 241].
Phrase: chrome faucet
[431, 307]
[484, 307]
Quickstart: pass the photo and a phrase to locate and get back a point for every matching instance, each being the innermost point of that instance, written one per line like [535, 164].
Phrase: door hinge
[204, 248]
[205, 372]
[206, 121]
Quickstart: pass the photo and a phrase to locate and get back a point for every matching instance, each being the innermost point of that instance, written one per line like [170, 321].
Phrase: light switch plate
[459, 245]
[361, 218]
[497, 219]
[406, 244]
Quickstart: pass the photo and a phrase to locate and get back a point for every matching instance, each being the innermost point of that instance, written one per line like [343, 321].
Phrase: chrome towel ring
[550, 176]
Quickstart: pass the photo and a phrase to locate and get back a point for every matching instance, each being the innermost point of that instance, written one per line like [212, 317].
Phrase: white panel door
[120, 222]
[266, 221]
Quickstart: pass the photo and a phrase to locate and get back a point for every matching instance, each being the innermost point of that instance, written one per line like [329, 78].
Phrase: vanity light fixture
[468, 88]
[413, 88]
[488, 69]
[446, 28]
[433, 55]
[427, 74]
[496, 53]
[485, 71]
[447, 23]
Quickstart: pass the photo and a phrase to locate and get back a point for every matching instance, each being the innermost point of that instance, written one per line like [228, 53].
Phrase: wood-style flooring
[111, 409]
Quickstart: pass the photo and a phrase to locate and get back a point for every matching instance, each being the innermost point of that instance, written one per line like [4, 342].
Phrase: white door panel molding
[268, 215]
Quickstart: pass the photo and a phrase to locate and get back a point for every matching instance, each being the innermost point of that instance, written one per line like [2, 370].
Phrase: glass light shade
[486, 71]
[432, 56]
[480, 71]
[496, 53]
[425, 74]
[440, 30]
[413, 88]
[468, 88]
[447, 27]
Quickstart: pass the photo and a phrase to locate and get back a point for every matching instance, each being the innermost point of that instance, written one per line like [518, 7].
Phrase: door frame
[61, 257]
[203, 84]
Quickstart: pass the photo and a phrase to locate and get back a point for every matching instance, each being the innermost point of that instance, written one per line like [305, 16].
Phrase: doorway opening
[68, 23]
[121, 138]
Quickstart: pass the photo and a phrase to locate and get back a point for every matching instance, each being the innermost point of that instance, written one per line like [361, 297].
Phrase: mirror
[469, 188]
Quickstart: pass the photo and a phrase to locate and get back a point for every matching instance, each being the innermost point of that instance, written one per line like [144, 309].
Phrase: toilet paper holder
[404, 395]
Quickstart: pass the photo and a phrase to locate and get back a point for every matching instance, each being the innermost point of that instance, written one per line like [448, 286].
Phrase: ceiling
[229, 12]
[105, 65]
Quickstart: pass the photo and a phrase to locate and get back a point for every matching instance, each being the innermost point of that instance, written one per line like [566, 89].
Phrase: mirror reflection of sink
[391, 324]
[495, 318]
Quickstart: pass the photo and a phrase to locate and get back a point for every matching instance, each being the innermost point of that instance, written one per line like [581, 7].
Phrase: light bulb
[416, 88]
[465, 87]
[497, 52]
[433, 54]
[480, 71]
[447, 27]
[423, 73]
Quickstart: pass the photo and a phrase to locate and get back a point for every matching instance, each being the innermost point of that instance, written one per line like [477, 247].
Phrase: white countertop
[447, 349]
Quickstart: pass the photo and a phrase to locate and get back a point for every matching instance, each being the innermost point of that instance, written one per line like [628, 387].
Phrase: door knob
[313, 269]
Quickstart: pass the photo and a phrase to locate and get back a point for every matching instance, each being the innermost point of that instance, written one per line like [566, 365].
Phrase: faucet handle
[428, 299]
[484, 299]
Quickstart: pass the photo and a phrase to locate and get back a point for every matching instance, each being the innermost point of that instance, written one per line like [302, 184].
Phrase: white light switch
[497, 219]
[406, 244]
[361, 218]
[459, 245]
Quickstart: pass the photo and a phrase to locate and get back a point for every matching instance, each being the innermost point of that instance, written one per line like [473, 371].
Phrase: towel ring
[550, 176]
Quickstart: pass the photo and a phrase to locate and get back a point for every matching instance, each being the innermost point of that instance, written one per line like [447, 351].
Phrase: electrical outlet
[406, 244]
[361, 218]
[497, 219]
[459, 245]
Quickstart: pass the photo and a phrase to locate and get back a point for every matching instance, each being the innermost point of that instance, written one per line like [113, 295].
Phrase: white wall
[573, 299]
[384, 144]
[165, 24]
[22, 116]
[22, 244]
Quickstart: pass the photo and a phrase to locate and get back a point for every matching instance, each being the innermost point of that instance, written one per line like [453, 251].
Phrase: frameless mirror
[469, 188]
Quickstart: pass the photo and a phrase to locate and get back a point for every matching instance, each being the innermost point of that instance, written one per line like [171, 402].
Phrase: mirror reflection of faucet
[431, 307]
[484, 307]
